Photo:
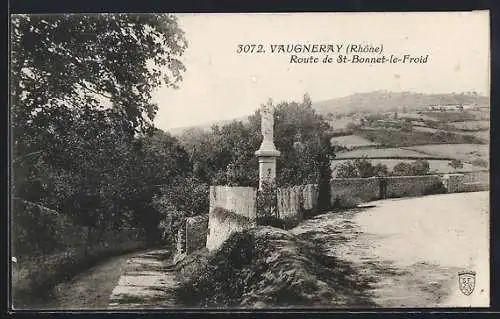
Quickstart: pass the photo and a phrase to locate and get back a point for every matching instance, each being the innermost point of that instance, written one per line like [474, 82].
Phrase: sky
[221, 84]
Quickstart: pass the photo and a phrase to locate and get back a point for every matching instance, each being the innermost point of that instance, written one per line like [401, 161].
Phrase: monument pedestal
[267, 154]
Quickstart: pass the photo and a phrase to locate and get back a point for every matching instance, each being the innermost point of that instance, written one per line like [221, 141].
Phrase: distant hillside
[378, 101]
[207, 125]
[384, 101]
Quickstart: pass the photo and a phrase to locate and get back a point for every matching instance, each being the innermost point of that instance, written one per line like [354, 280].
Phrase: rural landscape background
[402, 128]
[100, 193]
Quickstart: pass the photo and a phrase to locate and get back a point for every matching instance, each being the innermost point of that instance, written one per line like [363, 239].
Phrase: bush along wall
[220, 278]
[286, 207]
[267, 205]
[291, 207]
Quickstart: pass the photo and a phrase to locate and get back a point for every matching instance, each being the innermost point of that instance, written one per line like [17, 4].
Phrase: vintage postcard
[250, 161]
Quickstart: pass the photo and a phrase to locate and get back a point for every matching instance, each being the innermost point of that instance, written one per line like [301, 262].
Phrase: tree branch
[78, 63]
[35, 204]
[27, 155]
[85, 87]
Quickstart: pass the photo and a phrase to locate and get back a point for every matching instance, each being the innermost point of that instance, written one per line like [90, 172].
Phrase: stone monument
[267, 153]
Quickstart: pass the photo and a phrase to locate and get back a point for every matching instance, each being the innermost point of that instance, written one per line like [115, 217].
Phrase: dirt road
[88, 290]
[412, 249]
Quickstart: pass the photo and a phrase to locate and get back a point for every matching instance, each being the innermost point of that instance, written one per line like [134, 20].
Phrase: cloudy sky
[222, 84]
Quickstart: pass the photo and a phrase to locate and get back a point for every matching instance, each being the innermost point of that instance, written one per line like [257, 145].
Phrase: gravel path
[146, 283]
[412, 249]
[134, 280]
[88, 290]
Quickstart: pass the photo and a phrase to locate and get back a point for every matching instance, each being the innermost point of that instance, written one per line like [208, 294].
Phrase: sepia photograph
[250, 160]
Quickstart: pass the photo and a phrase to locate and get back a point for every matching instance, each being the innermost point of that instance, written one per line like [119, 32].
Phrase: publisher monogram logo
[467, 282]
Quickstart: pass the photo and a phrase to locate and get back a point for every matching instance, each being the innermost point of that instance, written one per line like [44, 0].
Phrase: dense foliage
[360, 168]
[225, 154]
[395, 138]
[75, 61]
[363, 167]
[267, 201]
[83, 142]
[415, 168]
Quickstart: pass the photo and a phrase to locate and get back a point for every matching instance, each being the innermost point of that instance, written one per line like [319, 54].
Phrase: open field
[436, 166]
[471, 125]
[341, 124]
[425, 129]
[416, 116]
[464, 152]
[452, 116]
[401, 139]
[485, 135]
[481, 115]
[351, 141]
[395, 152]
[412, 249]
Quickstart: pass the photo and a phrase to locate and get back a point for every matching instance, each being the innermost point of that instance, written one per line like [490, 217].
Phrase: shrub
[436, 188]
[480, 162]
[420, 167]
[346, 201]
[456, 164]
[361, 168]
[272, 221]
[276, 222]
[192, 263]
[415, 168]
[267, 201]
[223, 215]
[39, 230]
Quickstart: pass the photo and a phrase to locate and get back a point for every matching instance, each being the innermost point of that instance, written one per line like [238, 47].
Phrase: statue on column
[267, 153]
[267, 121]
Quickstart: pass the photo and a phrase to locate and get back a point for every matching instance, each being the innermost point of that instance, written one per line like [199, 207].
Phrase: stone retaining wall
[222, 223]
[348, 192]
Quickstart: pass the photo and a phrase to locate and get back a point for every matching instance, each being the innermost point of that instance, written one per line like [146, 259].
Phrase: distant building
[470, 106]
[446, 107]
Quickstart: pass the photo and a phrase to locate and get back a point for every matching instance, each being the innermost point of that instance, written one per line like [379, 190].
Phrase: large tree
[88, 61]
[63, 66]
[303, 137]
[81, 109]
[226, 154]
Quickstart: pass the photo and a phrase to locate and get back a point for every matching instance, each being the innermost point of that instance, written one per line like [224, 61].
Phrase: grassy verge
[266, 267]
